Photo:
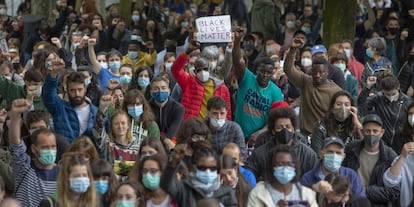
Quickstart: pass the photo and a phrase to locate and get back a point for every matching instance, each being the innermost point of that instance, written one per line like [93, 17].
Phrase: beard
[76, 101]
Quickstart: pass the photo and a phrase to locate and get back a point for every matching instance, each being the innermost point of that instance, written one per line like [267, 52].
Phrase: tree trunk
[44, 7]
[339, 21]
[125, 10]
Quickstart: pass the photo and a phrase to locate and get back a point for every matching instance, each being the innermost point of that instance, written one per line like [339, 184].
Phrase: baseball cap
[330, 140]
[317, 49]
[372, 118]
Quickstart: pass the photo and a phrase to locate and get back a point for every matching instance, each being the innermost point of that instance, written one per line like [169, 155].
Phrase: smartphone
[297, 203]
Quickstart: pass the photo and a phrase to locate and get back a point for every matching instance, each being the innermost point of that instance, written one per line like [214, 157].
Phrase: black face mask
[393, 31]
[283, 136]
[171, 49]
[371, 140]
[338, 204]
[411, 58]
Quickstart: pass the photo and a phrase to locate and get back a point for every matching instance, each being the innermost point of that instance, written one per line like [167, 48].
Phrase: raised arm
[18, 107]
[371, 16]
[169, 182]
[238, 67]
[96, 67]
[228, 60]
[99, 124]
[296, 76]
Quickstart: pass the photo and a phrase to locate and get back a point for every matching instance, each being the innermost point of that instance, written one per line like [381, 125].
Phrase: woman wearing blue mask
[75, 184]
[281, 186]
[114, 64]
[149, 146]
[376, 64]
[203, 182]
[340, 60]
[105, 181]
[129, 194]
[139, 111]
[141, 80]
[149, 174]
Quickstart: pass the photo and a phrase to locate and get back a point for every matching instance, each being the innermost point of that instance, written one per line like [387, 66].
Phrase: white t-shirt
[165, 203]
[83, 118]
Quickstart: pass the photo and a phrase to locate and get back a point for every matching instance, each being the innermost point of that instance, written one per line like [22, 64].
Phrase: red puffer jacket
[193, 90]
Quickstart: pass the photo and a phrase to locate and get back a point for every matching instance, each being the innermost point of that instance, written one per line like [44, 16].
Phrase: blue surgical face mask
[347, 53]
[306, 30]
[332, 162]
[184, 24]
[87, 81]
[160, 96]
[168, 67]
[369, 53]
[133, 54]
[143, 82]
[48, 65]
[125, 203]
[135, 111]
[47, 157]
[207, 176]
[101, 186]
[76, 45]
[79, 185]
[125, 79]
[284, 174]
[135, 18]
[115, 65]
[341, 66]
[151, 181]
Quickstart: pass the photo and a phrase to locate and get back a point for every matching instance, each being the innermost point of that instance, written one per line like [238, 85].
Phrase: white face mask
[411, 119]
[341, 66]
[217, 123]
[104, 65]
[270, 51]
[306, 62]
[290, 24]
[221, 59]
[213, 64]
[203, 76]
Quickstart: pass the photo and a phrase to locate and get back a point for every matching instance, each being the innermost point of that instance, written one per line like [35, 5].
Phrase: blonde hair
[84, 142]
[129, 132]
[70, 160]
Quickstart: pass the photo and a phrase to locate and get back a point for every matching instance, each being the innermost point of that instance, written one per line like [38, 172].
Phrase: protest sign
[214, 29]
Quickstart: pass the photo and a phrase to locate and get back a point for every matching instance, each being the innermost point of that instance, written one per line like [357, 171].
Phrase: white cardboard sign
[214, 29]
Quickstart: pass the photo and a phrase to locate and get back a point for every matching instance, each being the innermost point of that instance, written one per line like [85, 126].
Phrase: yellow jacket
[144, 59]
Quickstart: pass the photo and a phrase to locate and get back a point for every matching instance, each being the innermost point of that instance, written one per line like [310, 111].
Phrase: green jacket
[6, 170]
[11, 91]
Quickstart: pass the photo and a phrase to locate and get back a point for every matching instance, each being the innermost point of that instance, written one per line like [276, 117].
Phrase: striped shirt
[32, 184]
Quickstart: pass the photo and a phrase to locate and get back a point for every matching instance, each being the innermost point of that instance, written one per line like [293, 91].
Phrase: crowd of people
[101, 110]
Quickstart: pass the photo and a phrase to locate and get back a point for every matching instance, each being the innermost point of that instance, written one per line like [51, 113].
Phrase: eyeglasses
[204, 168]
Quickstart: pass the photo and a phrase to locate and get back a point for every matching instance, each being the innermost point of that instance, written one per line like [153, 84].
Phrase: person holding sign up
[199, 88]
